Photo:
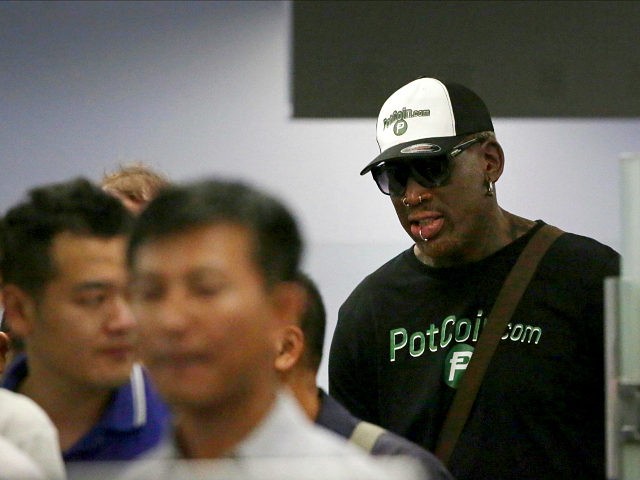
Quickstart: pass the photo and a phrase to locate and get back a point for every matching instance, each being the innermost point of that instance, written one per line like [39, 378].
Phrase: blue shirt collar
[127, 409]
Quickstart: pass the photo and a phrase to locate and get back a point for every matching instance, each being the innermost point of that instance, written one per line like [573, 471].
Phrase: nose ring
[406, 203]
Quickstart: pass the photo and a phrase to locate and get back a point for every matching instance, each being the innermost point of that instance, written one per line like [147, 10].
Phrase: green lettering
[516, 333]
[445, 338]
[396, 346]
[431, 333]
[416, 352]
[506, 335]
[461, 324]
[529, 331]
[477, 323]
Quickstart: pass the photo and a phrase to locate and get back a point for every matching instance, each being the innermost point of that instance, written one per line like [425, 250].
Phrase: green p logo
[455, 364]
[400, 127]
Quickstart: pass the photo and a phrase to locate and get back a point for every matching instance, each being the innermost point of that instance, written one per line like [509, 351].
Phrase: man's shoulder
[16, 463]
[389, 443]
[334, 416]
[398, 263]
[284, 441]
[337, 418]
[396, 271]
[584, 252]
[20, 412]
[289, 435]
[287, 432]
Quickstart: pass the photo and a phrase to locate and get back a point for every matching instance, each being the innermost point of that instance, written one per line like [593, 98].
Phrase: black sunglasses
[392, 177]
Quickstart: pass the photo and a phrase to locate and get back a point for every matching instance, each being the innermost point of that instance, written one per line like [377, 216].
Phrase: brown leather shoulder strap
[506, 303]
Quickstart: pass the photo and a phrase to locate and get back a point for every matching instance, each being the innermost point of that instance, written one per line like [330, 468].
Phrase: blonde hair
[135, 181]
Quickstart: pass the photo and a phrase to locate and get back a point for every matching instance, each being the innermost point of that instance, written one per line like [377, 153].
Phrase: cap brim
[421, 148]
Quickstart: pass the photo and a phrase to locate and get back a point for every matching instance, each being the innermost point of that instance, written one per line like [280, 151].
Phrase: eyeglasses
[392, 177]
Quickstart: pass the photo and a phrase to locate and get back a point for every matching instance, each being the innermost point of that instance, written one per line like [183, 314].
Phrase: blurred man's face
[207, 322]
[83, 332]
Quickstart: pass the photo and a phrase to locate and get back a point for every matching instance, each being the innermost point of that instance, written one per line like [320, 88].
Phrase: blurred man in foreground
[213, 268]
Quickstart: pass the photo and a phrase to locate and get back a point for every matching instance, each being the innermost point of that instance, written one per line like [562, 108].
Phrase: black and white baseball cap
[427, 118]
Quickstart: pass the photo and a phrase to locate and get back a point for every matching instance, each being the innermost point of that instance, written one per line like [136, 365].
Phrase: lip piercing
[423, 239]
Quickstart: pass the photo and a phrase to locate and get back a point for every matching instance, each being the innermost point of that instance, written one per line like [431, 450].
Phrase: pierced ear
[20, 309]
[290, 349]
[494, 157]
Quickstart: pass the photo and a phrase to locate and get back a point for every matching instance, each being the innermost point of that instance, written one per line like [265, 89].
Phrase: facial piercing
[423, 239]
[406, 203]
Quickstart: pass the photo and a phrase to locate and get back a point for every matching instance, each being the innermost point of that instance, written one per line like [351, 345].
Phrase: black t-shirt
[406, 333]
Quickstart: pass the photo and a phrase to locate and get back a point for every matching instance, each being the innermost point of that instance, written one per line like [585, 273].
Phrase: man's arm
[352, 365]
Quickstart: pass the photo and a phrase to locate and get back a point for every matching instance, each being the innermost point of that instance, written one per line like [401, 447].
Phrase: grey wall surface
[547, 58]
[202, 88]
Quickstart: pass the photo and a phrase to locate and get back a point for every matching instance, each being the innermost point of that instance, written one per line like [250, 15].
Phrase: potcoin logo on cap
[400, 127]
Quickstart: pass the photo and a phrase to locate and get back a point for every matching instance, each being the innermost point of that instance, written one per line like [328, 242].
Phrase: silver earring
[491, 188]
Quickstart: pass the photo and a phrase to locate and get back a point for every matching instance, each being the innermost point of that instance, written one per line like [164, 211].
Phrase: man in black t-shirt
[407, 332]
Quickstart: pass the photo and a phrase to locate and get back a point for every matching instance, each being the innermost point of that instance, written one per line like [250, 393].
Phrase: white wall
[202, 88]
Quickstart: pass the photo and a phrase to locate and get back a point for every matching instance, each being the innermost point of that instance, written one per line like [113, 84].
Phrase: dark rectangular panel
[524, 58]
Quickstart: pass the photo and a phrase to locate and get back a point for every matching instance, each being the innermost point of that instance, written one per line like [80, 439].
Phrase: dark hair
[29, 228]
[312, 322]
[274, 231]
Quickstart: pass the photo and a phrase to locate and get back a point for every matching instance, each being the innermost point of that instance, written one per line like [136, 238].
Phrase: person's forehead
[220, 245]
[70, 251]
